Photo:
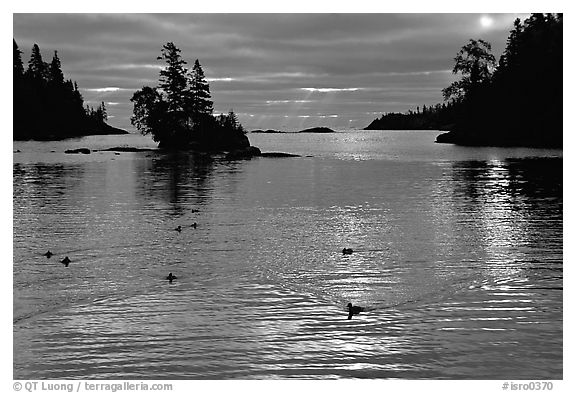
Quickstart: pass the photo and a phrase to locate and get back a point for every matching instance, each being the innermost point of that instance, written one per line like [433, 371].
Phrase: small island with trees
[49, 107]
[516, 101]
[178, 113]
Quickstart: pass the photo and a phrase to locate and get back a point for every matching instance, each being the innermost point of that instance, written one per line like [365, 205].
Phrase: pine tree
[36, 66]
[18, 66]
[55, 71]
[173, 79]
[199, 90]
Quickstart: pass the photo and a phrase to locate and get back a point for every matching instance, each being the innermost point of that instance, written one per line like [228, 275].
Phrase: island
[179, 113]
[49, 107]
[317, 130]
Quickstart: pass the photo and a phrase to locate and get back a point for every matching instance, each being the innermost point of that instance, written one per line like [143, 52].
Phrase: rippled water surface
[457, 257]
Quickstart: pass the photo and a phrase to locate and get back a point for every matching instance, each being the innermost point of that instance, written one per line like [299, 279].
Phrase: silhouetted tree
[476, 64]
[55, 71]
[37, 68]
[173, 79]
[199, 90]
[46, 106]
[17, 61]
[178, 113]
[520, 102]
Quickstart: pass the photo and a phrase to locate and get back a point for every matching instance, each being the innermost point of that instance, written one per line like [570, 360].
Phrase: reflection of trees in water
[518, 183]
[31, 181]
[516, 201]
[180, 179]
[45, 197]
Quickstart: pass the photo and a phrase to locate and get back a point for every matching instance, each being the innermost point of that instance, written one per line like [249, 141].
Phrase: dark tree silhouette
[476, 64]
[55, 71]
[515, 102]
[18, 65]
[46, 106]
[37, 68]
[178, 113]
[173, 78]
[201, 104]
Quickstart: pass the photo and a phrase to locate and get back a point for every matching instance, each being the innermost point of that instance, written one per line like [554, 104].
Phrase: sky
[280, 71]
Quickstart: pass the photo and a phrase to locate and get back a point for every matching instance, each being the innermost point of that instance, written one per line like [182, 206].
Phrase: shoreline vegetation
[516, 101]
[49, 107]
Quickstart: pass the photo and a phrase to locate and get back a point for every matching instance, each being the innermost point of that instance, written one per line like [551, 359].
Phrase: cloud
[219, 79]
[104, 89]
[329, 89]
[266, 64]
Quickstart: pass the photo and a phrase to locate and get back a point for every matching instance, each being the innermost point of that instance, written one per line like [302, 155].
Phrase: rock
[247, 153]
[278, 155]
[126, 149]
[82, 150]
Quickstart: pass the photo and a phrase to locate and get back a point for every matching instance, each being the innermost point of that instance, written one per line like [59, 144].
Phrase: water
[457, 256]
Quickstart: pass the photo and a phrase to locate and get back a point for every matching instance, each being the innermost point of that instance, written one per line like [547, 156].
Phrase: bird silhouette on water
[66, 261]
[194, 225]
[347, 251]
[178, 228]
[354, 310]
[48, 254]
[171, 277]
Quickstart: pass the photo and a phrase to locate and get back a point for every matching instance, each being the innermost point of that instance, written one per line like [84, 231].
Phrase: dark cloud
[394, 61]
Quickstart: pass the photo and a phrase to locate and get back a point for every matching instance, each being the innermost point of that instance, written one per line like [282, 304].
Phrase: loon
[178, 228]
[48, 254]
[171, 277]
[353, 310]
[347, 251]
[66, 261]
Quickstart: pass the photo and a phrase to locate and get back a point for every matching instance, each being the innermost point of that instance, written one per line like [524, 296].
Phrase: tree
[476, 64]
[18, 66]
[37, 68]
[146, 117]
[173, 78]
[178, 113]
[101, 114]
[199, 93]
[55, 71]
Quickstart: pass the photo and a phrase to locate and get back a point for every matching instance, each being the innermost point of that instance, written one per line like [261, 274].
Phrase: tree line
[515, 101]
[178, 113]
[48, 106]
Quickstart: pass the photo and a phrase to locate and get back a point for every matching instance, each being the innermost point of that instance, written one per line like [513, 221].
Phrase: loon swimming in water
[354, 310]
[48, 254]
[347, 251]
[66, 261]
[171, 277]
[178, 228]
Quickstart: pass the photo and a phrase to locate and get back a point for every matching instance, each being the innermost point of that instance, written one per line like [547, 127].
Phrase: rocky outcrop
[82, 150]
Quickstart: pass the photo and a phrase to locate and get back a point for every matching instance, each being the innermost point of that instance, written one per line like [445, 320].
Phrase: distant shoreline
[103, 129]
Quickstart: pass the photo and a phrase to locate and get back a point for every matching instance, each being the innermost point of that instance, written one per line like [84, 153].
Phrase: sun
[486, 21]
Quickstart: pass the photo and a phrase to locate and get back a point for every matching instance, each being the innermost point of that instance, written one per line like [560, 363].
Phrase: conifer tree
[173, 79]
[18, 66]
[199, 90]
[36, 66]
[55, 71]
